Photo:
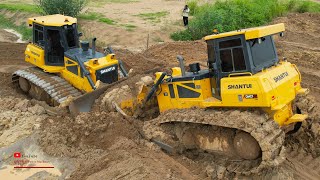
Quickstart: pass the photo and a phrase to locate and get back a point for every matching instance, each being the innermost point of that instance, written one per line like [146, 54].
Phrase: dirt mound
[162, 57]
[12, 53]
[18, 118]
[7, 37]
[105, 145]
[193, 51]
[11, 59]
[96, 129]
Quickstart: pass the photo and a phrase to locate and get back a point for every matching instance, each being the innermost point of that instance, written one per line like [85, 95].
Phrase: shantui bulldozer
[241, 106]
[62, 70]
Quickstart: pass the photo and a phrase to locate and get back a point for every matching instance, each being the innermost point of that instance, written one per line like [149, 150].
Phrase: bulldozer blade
[84, 103]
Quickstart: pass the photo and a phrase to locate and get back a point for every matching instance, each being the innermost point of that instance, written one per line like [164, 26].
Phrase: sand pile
[18, 119]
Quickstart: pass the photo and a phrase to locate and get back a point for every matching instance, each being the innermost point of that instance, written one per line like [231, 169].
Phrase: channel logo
[17, 155]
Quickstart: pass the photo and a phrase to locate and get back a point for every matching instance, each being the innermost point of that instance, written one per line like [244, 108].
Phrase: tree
[65, 7]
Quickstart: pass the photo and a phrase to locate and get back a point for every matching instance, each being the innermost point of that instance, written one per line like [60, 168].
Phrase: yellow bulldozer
[62, 69]
[241, 106]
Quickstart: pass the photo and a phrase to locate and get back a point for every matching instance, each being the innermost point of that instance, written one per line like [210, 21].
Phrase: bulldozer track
[305, 165]
[56, 87]
[268, 134]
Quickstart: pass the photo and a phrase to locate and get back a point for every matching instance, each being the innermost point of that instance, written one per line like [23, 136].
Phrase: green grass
[22, 29]
[153, 17]
[21, 7]
[229, 15]
[96, 16]
[304, 6]
[107, 21]
[90, 16]
[129, 27]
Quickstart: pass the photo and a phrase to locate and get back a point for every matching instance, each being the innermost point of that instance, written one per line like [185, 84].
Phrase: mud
[104, 145]
[6, 36]
[269, 136]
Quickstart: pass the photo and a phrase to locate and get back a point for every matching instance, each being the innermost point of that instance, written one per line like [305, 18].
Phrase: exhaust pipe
[94, 47]
[181, 63]
[155, 86]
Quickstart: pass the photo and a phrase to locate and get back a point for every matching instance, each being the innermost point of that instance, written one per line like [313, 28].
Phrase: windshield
[263, 52]
[70, 32]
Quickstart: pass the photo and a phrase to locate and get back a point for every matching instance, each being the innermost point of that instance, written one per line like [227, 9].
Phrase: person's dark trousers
[185, 21]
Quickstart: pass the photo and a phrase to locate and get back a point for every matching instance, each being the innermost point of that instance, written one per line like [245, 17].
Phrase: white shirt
[185, 12]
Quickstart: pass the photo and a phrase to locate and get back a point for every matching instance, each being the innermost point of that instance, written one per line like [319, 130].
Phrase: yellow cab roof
[52, 20]
[251, 33]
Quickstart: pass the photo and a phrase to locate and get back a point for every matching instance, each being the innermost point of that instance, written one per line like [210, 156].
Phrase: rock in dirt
[22, 105]
[125, 92]
[37, 110]
[117, 95]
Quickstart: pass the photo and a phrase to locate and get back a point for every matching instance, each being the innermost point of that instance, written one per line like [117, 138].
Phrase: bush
[238, 14]
[193, 5]
[66, 7]
[304, 7]
[307, 6]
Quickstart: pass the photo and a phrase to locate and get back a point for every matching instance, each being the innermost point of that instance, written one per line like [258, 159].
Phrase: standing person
[185, 15]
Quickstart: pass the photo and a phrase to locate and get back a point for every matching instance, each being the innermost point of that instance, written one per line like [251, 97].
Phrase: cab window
[38, 35]
[262, 52]
[231, 55]
[70, 34]
[72, 67]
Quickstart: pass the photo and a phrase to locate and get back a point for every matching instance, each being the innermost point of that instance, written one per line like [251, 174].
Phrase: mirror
[80, 34]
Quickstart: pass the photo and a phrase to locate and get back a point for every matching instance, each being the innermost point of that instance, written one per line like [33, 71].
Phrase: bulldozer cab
[242, 52]
[55, 34]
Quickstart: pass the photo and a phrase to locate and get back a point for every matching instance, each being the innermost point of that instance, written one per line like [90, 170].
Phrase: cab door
[213, 69]
[54, 47]
[232, 58]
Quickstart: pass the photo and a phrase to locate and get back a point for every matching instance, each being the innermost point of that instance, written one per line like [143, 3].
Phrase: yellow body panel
[76, 80]
[273, 90]
[96, 64]
[35, 56]
[52, 20]
[251, 33]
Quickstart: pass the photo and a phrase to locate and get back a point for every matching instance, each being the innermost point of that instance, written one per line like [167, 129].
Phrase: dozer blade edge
[84, 103]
